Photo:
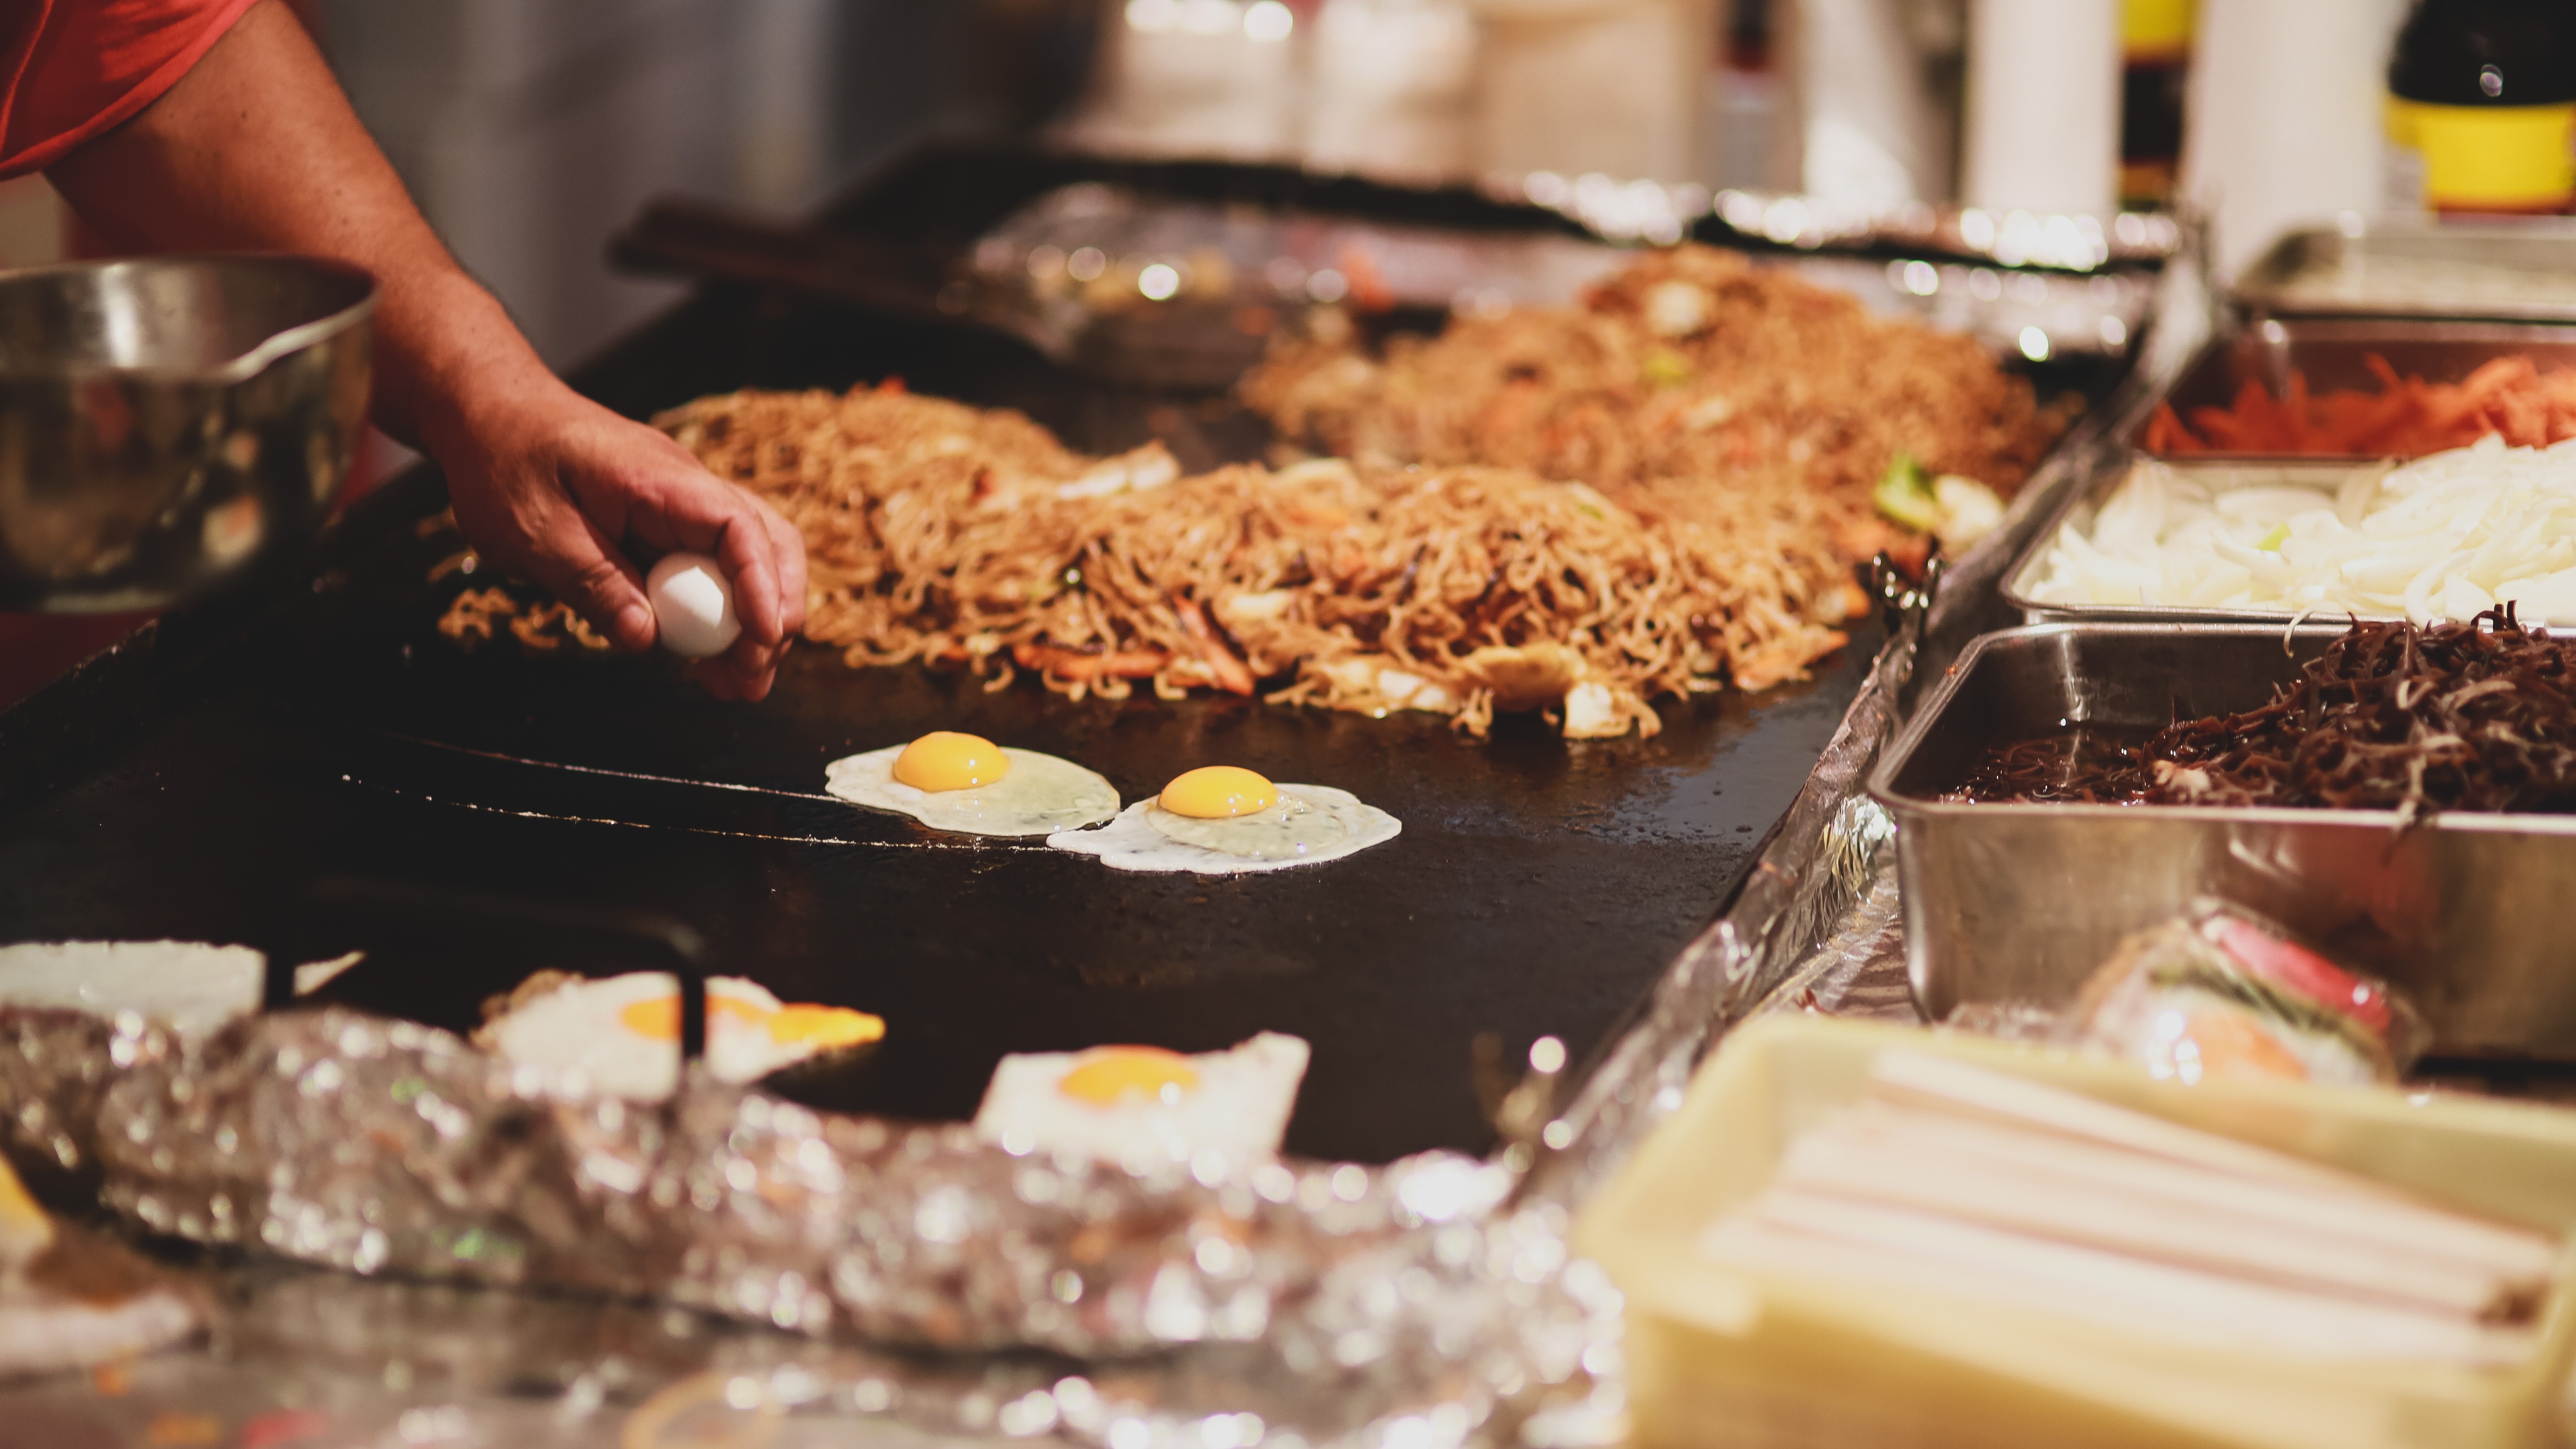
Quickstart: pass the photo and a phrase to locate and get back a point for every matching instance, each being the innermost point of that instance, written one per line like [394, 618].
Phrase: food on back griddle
[2461, 716]
[2406, 418]
[947, 534]
[1692, 385]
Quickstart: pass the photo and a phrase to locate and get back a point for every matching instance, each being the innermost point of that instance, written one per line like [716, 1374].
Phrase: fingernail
[635, 623]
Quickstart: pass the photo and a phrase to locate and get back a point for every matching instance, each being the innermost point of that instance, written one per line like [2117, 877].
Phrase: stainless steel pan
[2018, 903]
[2331, 353]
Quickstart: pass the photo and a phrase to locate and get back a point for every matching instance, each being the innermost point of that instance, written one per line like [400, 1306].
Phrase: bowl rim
[238, 369]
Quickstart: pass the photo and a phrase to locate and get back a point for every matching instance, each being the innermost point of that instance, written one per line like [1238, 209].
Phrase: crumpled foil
[391, 1149]
[55, 1068]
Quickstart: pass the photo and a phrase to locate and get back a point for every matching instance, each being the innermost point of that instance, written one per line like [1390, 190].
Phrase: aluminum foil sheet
[389, 1149]
[55, 1067]
[307, 1357]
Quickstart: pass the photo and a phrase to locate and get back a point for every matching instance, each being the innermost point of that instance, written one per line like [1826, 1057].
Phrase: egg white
[574, 1033]
[1040, 794]
[189, 986]
[1145, 836]
[1240, 1107]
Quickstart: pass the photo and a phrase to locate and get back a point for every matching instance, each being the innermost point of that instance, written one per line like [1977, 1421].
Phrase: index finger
[788, 546]
[690, 508]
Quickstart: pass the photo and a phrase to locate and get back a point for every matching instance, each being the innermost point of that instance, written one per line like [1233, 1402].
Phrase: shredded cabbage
[2440, 538]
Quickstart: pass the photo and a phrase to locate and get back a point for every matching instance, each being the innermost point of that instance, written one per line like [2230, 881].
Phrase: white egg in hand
[692, 605]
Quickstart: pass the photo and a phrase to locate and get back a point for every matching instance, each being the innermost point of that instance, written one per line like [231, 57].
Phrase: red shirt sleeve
[71, 69]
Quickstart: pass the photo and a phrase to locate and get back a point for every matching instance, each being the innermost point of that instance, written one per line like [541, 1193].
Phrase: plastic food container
[1720, 1356]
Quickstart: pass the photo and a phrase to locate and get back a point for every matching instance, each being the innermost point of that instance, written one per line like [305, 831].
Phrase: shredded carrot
[1230, 673]
[2406, 418]
[1077, 666]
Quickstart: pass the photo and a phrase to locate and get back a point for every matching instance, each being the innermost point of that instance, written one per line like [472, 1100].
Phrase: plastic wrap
[2221, 992]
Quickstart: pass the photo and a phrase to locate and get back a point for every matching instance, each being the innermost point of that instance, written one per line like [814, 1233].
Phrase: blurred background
[528, 130]
[531, 129]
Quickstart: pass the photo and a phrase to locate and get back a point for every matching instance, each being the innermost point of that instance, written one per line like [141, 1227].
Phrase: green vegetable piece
[2272, 541]
[1904, 495]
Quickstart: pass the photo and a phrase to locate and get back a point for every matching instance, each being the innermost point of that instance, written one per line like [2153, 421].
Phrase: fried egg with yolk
[1223, 820]
[966, 783]
[621, 1034]
[1142, 1104]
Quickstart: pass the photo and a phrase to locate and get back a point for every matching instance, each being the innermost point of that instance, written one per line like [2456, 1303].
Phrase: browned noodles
[1691, 384]
[943, 533]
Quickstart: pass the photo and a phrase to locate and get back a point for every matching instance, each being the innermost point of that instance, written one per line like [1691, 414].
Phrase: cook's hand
[556, 487]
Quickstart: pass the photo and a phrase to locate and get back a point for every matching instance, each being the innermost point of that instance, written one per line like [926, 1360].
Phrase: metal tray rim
[2257, 288]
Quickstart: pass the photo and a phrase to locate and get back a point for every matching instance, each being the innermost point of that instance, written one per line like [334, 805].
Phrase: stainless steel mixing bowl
[171, 423]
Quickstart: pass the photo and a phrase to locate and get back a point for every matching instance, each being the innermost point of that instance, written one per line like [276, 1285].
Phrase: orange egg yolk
[799, 1024]
[1218, 792]
[1111, 1075]
[947, 760]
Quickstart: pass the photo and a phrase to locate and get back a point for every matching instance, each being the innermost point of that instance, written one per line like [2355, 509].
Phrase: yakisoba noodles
[939, 532]
[1691, 374]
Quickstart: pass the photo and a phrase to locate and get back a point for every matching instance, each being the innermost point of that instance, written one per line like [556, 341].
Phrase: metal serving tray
[2516, 269]
[2019, 903]
[2332, 352]
[2082, 502]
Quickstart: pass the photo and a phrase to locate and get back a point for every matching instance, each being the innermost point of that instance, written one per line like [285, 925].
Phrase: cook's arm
[256, 149]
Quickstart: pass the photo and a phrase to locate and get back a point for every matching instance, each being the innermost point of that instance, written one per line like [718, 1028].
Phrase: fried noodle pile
[1692, 385]
[952, 535]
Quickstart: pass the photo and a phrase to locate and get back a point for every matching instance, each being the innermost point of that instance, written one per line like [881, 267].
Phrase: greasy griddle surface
[1539, 887]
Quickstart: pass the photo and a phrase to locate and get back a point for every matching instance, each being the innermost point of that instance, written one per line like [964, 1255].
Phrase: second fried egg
[967, 784]
[1220, 820]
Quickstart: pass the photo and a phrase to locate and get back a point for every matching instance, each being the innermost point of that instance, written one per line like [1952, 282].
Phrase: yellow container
[1718, 1356]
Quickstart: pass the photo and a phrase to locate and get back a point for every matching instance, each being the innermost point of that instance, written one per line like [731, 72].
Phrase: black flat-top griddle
[197, 784]
[1538, 887]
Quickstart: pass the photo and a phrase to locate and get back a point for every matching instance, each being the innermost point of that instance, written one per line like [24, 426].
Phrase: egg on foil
[968, 784]
[1139, 1104]
[620, 1035]
[1221, 820]
[189, 986]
